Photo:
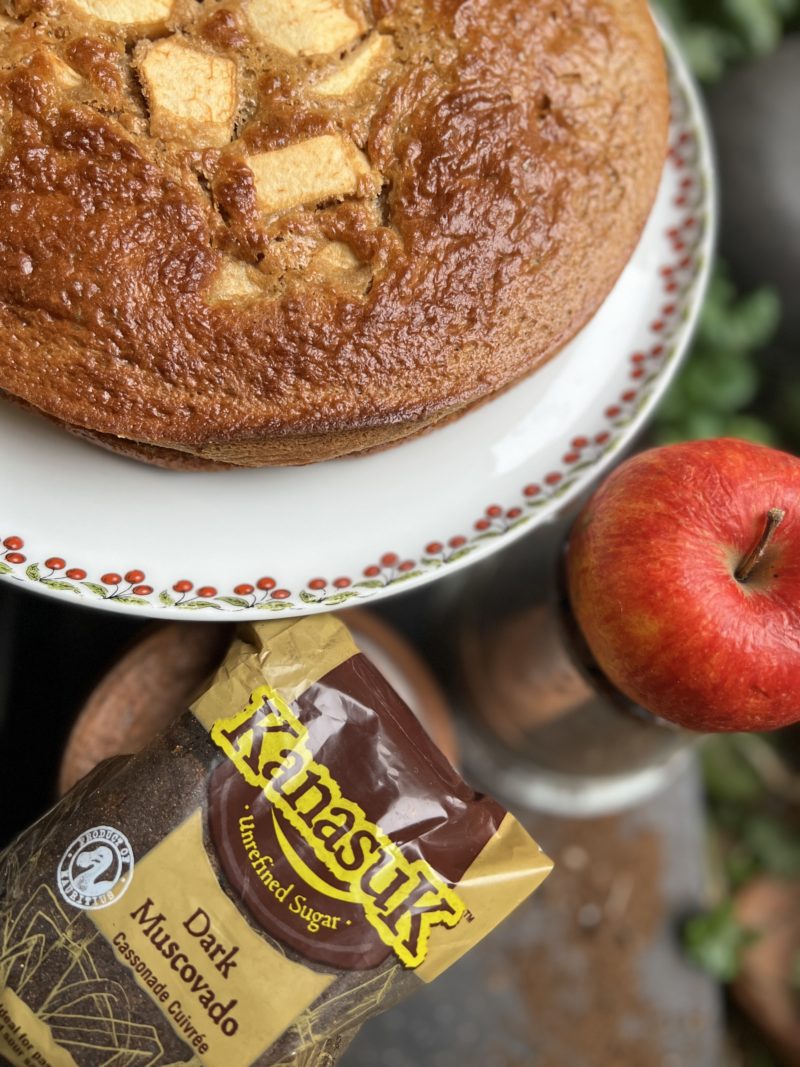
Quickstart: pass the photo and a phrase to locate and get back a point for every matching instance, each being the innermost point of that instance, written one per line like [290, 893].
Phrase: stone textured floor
[588, 972]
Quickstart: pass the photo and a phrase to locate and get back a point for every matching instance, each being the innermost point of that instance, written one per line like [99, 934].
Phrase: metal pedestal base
[519, 783]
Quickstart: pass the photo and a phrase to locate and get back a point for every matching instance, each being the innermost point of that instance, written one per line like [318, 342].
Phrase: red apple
[684, 577]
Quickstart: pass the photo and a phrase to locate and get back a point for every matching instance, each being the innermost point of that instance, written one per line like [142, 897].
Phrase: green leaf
[460, 553]
[405, 577]
[735, 324]
[716, 33]
[716, 942]
[722, 376]
[759, 315]
[587, 464]
[370, 583]
[275, 605]
[740, 866]
[757, 23]
[701, 425]
[563, 488]
[721, 382]
[234, 601]
[673, 404]
[340, 598]
[165, 598]
[308, 598]
[98, 590]
[751, 428]
[666, 433]
[130, 600]
[194, 605]
[727, 775]
[775, 846]
[33, 572]
[53, 583]
[5, 568]
[709, 50]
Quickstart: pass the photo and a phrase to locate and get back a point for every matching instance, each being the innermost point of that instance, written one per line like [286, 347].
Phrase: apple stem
[744, 571]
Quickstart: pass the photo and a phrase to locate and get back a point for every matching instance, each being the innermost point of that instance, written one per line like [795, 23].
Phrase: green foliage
[729, 778]
[737, 323]
[754, 834]
[774, 846]
[721, 377]
[716, 33]
[716, 941]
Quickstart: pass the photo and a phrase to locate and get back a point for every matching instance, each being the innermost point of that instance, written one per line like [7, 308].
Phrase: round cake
[254, 232]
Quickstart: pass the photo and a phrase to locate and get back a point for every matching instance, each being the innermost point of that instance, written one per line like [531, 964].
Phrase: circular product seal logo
[96, 869]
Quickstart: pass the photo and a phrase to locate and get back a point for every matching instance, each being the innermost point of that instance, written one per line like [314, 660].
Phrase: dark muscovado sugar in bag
[290, 857]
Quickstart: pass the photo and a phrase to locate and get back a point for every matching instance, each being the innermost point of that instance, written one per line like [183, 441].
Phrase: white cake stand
[83, 524]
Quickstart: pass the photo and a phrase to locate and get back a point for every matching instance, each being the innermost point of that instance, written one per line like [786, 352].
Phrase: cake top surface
[227, 218]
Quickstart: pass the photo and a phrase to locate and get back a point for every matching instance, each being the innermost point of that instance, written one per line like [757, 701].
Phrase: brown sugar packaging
[290, 857]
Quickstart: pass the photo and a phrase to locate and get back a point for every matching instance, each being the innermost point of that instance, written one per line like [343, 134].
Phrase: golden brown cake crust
[233, 230]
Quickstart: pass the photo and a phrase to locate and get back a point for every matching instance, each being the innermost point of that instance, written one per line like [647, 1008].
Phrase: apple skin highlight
[650, 570]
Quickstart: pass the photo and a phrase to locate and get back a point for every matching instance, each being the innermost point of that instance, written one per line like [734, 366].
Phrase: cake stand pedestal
[541, 728]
